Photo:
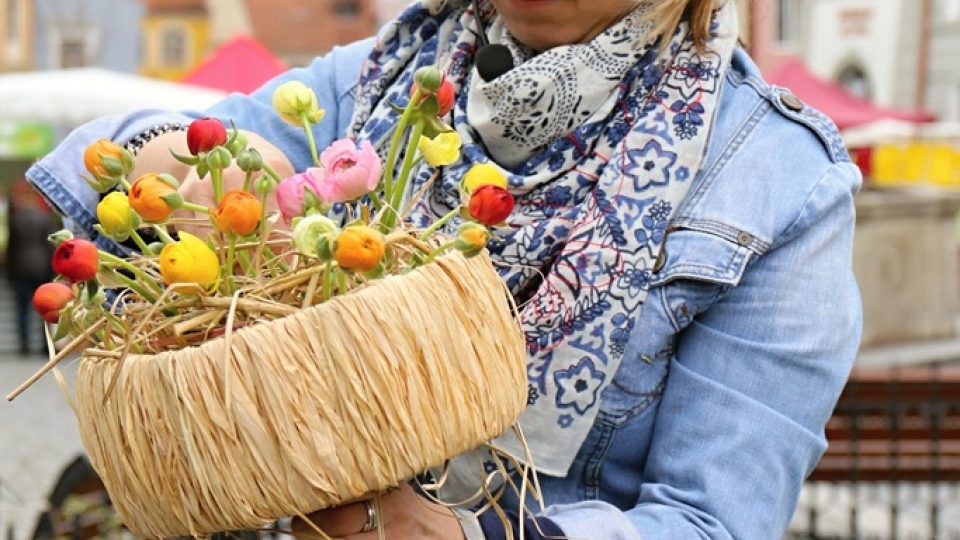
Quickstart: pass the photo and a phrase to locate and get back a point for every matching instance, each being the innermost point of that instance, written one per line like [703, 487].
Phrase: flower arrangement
[276, 362]
[274, 263]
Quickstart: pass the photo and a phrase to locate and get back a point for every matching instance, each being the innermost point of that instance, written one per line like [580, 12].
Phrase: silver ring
[372, 519]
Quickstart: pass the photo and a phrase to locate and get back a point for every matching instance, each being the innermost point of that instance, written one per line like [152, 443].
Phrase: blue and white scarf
[600, 142]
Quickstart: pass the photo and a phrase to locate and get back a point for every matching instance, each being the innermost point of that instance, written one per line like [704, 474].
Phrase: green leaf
[63, 325]
[202, 170]
[186, 160]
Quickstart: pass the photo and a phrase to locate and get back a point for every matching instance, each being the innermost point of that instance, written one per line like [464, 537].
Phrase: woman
[675, 214]
[29, 221]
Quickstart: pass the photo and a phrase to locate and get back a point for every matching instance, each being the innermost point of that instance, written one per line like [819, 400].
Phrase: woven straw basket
[282, 418]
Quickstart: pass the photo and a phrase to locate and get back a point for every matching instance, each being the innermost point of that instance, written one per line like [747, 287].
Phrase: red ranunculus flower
[76, 260]
[490, 204]
[205, 134]
[50, 298]
[445, 97]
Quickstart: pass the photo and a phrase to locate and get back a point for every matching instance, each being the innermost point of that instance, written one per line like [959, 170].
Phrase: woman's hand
[155, 157]
[405, 516]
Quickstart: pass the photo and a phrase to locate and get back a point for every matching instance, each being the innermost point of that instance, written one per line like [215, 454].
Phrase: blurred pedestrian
[28, 254]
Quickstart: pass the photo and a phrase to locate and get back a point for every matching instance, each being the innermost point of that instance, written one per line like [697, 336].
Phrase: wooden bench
[895, 425]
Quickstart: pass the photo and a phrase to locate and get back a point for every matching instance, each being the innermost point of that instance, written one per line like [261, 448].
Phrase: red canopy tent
[239, 65]
[845, 109]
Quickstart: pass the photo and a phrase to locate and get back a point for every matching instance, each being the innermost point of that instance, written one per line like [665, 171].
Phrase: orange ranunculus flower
[359, 248]
[154, 197]
[94, 154]
[50, 299]
[238, 212]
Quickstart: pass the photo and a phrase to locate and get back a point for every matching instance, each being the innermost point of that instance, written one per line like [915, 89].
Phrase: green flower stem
[391, 164]
[245, 262]
[328, 281]
[228, 270]
[310, 140]
[247, 181]
[439, 223]
[408, 159]
[433, 254]
[147, 295]
[216, 177]
[375, 199]
[341, 281]
[272, 173]
[163, 234]
[138, 240]
[125, 184]
[283, 266]
[108, 258]
[199, 207]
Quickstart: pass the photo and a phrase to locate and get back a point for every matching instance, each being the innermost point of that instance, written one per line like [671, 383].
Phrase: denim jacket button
[791, 102]
[744, 238]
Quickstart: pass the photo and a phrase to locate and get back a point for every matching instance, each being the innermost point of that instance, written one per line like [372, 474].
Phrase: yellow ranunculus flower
[189, 261]
[482, 174]
[292, 100]
[116, 217]
[444, 149]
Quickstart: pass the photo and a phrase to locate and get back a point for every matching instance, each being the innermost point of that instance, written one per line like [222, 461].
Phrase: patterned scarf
[600, 142]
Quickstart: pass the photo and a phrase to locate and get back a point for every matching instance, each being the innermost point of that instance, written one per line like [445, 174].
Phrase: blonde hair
[668, 14]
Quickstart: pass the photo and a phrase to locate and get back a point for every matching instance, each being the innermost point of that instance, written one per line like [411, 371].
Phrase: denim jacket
[752, 323]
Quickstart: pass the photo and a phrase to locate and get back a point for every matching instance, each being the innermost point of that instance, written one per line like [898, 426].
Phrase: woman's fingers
[336, 522]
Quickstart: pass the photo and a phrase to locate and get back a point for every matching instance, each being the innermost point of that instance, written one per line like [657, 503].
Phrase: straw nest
[309, 410]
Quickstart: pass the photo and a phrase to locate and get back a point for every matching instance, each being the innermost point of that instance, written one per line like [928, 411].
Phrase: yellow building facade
[16, 35]
[175, 38]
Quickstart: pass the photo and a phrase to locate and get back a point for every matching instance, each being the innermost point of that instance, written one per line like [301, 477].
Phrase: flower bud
[237, 143]
[189, 260]
[264, 185]
[76, 260]
[472, 238]
[359, 248]
[205, 134]
[295, 101]
[219, 159]
[309, 230]
[490, 204]
[428, 79]
[444, 149]
[116, 217]
[50, 299]
[106, 162]
[238, 212]
[438, 103]
[482, 174]
[151, 196]
[250, 160]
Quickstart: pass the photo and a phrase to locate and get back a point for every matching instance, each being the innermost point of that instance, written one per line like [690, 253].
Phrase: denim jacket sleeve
[753, 381]
[57, 175]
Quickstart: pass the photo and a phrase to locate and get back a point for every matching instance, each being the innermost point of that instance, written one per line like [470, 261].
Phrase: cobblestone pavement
[38, 438]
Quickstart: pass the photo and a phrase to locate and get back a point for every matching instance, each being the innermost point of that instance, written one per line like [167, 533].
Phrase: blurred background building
[885, 70]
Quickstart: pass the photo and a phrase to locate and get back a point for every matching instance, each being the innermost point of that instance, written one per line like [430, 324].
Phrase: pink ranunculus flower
[348, 172]
[290, 193]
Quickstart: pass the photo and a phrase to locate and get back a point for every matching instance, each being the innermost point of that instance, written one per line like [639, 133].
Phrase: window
[73, 53]
[13, 21]
[173, 47]
[786, 30]
[347, 9]
[855, 80]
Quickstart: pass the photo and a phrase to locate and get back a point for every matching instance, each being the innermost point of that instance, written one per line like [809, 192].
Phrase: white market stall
[67, 98]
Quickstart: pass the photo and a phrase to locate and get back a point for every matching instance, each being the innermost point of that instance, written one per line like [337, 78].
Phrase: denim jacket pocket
[695, 268]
